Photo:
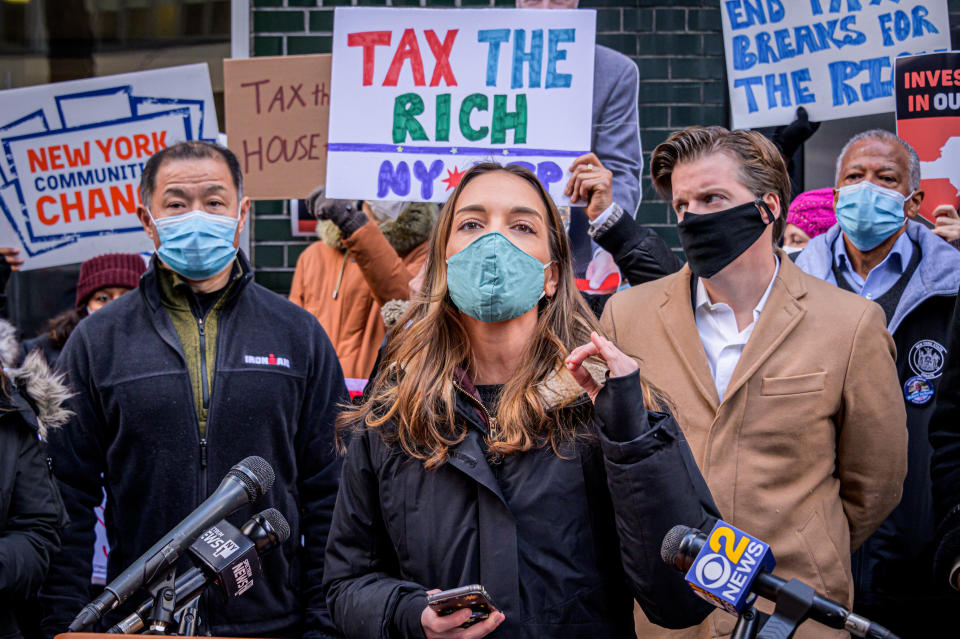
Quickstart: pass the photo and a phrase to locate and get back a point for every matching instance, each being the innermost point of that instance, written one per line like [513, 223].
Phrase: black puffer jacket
[31, 512]
[562, 544]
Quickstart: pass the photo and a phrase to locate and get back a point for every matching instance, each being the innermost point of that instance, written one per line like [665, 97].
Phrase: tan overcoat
[808, 449]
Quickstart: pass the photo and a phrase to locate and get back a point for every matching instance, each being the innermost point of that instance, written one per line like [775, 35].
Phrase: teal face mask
[868, 214]
[197, 245]
[494, 280]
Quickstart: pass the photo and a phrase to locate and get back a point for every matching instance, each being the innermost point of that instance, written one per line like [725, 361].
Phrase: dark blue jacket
[136, 423]
[893, 569]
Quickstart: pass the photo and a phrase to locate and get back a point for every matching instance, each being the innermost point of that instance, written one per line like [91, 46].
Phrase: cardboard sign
[277, 110]
[833, 57]
[72, 154]
[928, 117]
[421, 95]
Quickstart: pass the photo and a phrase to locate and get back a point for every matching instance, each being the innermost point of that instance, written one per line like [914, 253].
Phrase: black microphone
[682, 544]
[245, 483]
[233, 569]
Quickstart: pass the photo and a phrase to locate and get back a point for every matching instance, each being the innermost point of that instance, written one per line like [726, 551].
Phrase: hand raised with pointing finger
[448, 627]
[619, 363]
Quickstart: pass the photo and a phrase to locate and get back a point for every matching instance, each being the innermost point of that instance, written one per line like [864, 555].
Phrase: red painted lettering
[369, 40]
[37, 159]
[42, 214]
[441, 51]
[408, 49]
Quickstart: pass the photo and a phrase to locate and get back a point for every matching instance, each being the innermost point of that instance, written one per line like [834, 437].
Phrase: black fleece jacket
[276, 389]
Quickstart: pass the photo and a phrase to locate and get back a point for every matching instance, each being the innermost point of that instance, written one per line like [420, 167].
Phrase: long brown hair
[413, 397]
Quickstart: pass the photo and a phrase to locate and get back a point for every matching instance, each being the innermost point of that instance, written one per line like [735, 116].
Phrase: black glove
[346, 214]
[789, 138]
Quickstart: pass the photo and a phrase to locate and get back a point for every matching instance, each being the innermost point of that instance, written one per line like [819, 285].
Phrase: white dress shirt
[722, 340]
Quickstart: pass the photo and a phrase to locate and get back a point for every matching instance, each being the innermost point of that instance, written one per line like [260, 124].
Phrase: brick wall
[677, 46]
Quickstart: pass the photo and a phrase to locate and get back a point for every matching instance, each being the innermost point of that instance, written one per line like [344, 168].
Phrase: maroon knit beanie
[105, 271]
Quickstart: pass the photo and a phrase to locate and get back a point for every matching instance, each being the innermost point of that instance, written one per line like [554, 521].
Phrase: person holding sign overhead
[506, 444]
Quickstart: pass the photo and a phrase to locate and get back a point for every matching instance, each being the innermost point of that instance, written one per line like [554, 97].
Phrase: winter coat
[563, 544]
[31, 511]
[343, 282]
[275, 392]
[892, 571]
[945, 465]
[808, 448]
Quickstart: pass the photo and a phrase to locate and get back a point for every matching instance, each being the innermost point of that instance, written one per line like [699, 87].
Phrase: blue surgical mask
[868, 214]
[494, 280]
[197, 245]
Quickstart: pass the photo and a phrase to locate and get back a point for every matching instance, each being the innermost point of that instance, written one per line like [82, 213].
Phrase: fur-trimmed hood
[45, 390]
[411, 228]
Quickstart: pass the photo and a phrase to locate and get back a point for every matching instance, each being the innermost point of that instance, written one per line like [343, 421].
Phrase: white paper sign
[832, 57]
[72, 155]
[421, 95]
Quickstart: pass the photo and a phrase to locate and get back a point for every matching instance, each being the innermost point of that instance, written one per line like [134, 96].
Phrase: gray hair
[880, 134]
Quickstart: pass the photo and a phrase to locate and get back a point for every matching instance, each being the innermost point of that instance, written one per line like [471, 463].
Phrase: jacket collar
[780, 315]
[151, 289]
[938, 273]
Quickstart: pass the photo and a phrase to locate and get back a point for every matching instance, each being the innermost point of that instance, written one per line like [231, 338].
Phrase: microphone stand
[793, 604]
[164, 603]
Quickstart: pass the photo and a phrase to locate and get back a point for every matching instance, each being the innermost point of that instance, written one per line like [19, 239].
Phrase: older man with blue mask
[878, 251]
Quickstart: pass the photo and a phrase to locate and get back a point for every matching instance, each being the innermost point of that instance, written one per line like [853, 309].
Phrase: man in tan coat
[785, 387]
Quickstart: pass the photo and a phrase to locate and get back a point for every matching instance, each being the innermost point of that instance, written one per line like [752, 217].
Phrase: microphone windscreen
[670, 548]
[278, 522]
[255, 474]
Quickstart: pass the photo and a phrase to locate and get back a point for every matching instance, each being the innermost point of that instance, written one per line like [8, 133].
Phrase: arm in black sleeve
[318, 471]
[77, 453]
[365, 599]
[638, 251]
[30, 535]
[654, 484]
[945, 464]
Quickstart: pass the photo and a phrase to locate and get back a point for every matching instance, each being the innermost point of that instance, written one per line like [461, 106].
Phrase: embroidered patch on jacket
[927, 358]
[268, 360]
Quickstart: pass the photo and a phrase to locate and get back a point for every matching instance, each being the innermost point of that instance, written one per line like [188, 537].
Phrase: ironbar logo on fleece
[266, 360]
[222, 546]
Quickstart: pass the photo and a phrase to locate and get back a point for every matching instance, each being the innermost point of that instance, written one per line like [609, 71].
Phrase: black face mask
[712, 241]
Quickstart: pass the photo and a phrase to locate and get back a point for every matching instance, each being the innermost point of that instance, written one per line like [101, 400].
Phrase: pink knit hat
[105, 271]
[812, 211]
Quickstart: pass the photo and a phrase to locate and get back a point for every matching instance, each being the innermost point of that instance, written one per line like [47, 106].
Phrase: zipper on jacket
[203, 468]
[204, 383]
[496, 458]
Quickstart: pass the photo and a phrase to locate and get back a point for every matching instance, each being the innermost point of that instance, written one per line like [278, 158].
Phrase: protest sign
[928, 117]
[72, 154]
[421, 95]
[277, 109]
[833, 57]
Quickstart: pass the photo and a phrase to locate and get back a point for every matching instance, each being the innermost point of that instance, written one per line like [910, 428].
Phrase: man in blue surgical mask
[177, 382]
[878, 251]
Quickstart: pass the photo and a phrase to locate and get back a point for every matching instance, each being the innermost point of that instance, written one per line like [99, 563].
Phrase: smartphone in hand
[473, 597]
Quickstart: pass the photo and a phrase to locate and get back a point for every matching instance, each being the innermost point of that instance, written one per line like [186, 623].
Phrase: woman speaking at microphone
[506, 443]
